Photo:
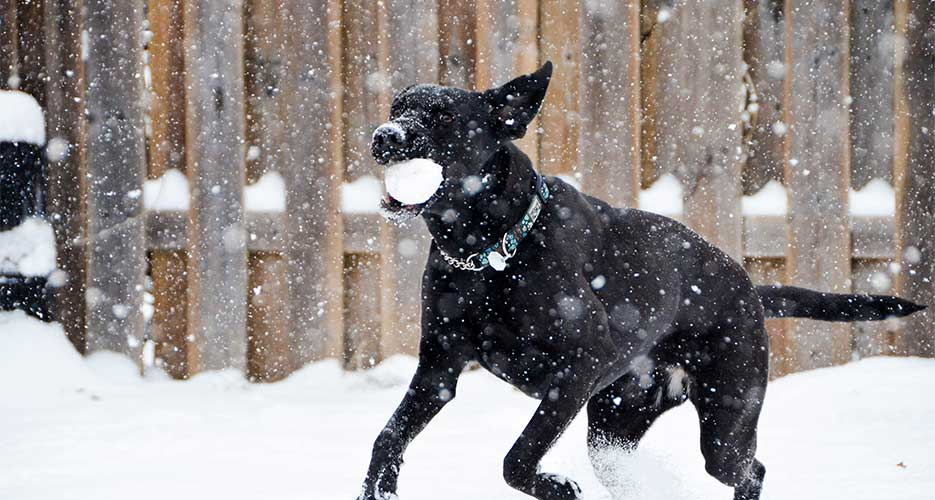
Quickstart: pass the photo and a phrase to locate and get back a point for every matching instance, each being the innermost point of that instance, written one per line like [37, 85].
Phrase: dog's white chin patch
[413, 181]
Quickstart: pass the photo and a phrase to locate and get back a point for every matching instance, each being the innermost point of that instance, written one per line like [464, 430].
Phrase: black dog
[626, 312]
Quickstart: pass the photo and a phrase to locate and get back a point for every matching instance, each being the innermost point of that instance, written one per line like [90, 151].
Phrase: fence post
[268, 332]
[558, 147]
[914, 179]
[609, 101]
[115, 169]
[456, 31]
[314, 228]
[764, 48]
[65, 176]
[817, 169]
[31, 51]
[7, 42]
[167, 151]
[217, 256]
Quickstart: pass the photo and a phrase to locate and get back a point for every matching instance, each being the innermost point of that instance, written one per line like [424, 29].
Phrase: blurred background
[204, 175]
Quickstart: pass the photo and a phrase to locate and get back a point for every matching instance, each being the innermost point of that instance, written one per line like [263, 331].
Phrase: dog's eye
[446, 117]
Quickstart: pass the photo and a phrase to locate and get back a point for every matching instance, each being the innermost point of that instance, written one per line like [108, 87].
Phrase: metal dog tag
[497, 261]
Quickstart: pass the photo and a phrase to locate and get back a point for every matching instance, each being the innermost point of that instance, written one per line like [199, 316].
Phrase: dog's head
[458, 129]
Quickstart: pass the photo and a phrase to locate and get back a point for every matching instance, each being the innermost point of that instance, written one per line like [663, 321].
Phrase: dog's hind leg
[621, 413]
[728, 395]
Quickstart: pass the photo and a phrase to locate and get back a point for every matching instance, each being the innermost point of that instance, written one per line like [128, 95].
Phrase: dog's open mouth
[397, 211]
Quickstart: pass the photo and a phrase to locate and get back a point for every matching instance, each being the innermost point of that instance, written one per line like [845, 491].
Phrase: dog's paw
[378, 495]
[565, 487]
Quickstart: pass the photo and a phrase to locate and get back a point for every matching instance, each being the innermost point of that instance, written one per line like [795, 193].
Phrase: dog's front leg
[521, 465]
[431, 388]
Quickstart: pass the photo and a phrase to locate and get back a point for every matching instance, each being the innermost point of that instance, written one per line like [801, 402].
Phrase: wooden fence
[726, 95]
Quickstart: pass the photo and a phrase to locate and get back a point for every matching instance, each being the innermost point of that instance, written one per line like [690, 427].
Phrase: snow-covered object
[862, 431]
[877, 198]
[267, 194]
[413, 181]
[362, 196]
[169, 192]
[28, 249]
[663, 197]
[21, 118]
[771, 199]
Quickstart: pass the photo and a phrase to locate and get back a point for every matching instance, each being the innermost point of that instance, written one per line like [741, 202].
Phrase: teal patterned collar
[497, 255]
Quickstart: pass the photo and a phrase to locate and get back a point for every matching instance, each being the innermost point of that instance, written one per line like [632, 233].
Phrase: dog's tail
[795, 302]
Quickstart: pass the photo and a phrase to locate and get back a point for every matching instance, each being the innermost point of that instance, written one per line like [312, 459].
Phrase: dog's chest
[511, 338]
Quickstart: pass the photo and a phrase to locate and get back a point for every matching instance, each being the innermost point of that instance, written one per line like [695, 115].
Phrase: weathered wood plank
[362, 311]
[412, 55]
[268, 333]
[64, 178]
[31, 50]
[365, 86]
[8, 44]
[609, 101]
[167, 151]
[708, 159]
[456, 28]
[526, 60]
[781, 355]
[873, 338]
[115, 169]
[914, 178]
[167, 103]
[816, 169]
[313, 152]
[873, 51]
[764, 48]
[559, 119]
[167, 230]
[170, 311]
[268, 342]
[217, 252]
[659, 76]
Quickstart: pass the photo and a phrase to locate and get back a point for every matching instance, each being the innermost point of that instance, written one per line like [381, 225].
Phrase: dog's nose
[388, 141]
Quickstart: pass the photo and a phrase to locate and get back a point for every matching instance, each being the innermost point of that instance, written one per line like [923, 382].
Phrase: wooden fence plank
[457, 50]
[526, 60]
[781, 355]
[167, 151]
[115, 169]
[873, 338]
[914, 180]
[816, 169]
[661, 113]
[314, 230]
[65, 175]
[559, 118]
[362, 311]
[217, 254]
[268, 343]
[609, 101]
[269, 338]
[365, 107]
[412, 55]
[8, 42]
[764, 48]
[873, 49]
[167, 104]
[170, 312]
[31, 51]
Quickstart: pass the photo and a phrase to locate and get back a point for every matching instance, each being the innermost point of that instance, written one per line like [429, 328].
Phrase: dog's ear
[515, 104]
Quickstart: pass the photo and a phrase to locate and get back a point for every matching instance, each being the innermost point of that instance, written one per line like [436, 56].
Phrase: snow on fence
[254, 243]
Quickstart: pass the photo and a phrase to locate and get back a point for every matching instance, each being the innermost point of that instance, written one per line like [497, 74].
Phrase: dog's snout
[389, 141]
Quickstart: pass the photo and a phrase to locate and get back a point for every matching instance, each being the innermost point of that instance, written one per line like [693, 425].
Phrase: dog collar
[497, 255]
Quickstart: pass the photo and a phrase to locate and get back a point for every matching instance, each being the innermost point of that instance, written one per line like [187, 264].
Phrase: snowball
[413, 181]
[21, 118]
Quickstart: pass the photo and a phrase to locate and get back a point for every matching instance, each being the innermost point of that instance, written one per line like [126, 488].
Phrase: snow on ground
[73, 428]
